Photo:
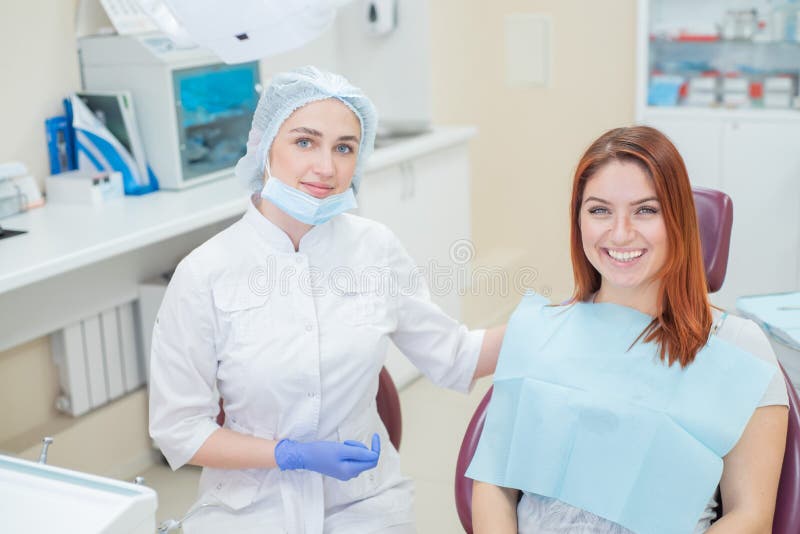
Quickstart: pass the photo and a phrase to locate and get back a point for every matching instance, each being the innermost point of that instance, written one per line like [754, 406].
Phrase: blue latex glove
[342, 461]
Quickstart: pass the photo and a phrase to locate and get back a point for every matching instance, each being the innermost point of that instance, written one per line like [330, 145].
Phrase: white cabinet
[700, 143]
[761, 173]
[757, 163]
[425, 200]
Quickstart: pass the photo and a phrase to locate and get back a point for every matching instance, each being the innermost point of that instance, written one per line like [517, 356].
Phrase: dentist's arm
[227, 449]
[490, 350]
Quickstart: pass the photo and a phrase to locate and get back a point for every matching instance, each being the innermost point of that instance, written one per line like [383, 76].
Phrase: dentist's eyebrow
[308, 131]
[316, 133]
[635, 203]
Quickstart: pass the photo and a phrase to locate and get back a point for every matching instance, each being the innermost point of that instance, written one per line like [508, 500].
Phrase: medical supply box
[83, 187]
[193, 111]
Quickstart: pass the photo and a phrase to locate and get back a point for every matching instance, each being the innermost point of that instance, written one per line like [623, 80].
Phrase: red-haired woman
[637, 405]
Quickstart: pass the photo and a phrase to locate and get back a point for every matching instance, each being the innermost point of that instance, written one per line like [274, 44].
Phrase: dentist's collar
[274, 236]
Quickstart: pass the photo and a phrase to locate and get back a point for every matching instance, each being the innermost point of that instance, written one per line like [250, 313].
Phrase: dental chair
[715, 218]
[388, 404]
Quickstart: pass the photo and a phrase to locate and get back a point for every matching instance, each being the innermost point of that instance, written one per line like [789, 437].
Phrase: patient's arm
[750, 475]
[494, 508]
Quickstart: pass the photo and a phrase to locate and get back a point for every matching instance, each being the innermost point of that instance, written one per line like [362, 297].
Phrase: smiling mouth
[317, 190]
[625, 256]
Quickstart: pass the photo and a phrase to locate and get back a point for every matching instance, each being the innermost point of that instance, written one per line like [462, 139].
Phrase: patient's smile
[625, 256]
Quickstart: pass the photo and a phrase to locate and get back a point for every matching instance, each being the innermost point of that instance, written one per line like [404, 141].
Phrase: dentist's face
[623, 231]
[316, 148]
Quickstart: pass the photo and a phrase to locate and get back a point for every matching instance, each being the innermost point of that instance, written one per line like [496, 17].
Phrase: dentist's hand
[330, 458]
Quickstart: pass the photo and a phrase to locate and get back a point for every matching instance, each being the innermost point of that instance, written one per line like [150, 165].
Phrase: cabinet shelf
[705, 113]
[790, 45]
[725, 56]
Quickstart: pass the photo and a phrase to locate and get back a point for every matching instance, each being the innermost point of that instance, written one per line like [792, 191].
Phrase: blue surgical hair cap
[290, 91]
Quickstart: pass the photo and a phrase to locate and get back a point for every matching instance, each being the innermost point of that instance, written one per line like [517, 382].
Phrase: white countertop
[63, 237]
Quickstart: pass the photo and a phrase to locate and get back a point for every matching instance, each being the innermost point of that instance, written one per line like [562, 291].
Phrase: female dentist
[284, 314]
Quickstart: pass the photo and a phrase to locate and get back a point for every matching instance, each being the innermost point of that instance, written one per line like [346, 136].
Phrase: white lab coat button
[298, 259]
[309, 327]
[219, 486]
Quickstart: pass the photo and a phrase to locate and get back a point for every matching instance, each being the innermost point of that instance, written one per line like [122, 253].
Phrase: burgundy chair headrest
[715, 218]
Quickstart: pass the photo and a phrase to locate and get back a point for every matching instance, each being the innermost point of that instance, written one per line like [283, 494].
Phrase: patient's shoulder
[743, 333]
[748, 336]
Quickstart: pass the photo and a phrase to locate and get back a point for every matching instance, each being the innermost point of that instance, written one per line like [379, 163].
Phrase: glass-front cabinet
[734, 54]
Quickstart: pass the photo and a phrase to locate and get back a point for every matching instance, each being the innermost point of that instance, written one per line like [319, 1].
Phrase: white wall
[530, 139]
[38, 67]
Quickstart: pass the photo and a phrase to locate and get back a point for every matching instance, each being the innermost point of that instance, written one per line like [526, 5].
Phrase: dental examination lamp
[243, 30]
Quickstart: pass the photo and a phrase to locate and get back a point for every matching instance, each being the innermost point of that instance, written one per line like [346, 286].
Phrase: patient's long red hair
[682, 325]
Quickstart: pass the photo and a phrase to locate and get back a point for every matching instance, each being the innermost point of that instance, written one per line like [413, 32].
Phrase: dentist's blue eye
[303, 143]
[344, 149]
[599, 210]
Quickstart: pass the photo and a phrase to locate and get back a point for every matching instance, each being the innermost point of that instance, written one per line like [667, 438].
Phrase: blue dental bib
[579, 415]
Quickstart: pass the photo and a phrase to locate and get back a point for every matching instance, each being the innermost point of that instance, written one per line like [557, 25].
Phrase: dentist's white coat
[295, 341]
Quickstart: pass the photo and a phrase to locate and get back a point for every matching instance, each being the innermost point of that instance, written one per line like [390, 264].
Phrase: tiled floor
[434, 421]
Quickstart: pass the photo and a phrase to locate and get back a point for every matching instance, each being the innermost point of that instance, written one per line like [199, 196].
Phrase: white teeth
[625, 256]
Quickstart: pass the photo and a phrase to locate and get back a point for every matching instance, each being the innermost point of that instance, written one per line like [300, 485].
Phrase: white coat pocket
[234, 488]
[244, 314]
[361, 306]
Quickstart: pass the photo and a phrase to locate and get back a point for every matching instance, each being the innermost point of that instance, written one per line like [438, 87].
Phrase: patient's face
[623, 232]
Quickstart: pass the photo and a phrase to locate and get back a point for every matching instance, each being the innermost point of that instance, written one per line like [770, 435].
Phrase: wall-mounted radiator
[98, 359]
